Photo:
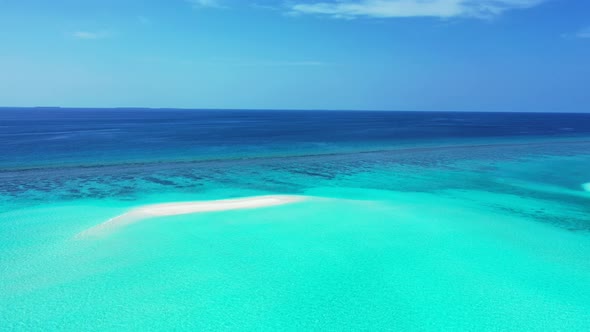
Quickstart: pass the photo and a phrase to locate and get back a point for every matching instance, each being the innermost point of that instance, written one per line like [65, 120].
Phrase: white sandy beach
[178, 208]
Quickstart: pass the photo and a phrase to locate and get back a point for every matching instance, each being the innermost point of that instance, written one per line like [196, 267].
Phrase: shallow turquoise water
[452, 237]
[380, 247]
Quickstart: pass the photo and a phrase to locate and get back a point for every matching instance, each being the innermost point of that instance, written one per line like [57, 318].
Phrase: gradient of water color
[417, 221]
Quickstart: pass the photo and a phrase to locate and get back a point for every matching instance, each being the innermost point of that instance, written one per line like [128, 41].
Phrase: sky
[434, 55]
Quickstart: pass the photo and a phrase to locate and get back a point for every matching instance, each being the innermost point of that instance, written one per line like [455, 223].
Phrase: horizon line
[277, 109]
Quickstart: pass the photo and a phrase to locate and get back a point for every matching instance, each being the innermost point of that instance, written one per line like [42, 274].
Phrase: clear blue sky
[464, 55]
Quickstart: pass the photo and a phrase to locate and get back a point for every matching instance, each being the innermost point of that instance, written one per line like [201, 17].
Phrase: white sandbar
[172, 209]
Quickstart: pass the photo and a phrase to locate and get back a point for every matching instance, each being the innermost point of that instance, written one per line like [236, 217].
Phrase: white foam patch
[178, 208]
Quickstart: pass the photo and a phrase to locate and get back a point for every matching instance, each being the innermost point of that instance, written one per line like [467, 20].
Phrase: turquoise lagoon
[456, 232]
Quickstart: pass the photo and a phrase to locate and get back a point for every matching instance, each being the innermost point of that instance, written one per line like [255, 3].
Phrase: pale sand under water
[178, 208]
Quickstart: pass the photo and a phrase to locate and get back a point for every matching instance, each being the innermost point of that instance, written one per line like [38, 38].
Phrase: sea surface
[416, 221]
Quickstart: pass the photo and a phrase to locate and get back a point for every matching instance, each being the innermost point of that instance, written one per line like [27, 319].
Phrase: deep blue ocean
[48, 137]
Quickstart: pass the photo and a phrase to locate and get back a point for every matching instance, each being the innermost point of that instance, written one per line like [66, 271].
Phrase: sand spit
[172, 209]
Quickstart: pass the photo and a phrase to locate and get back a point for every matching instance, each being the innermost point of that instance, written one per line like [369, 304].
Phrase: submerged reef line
[216, 159]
